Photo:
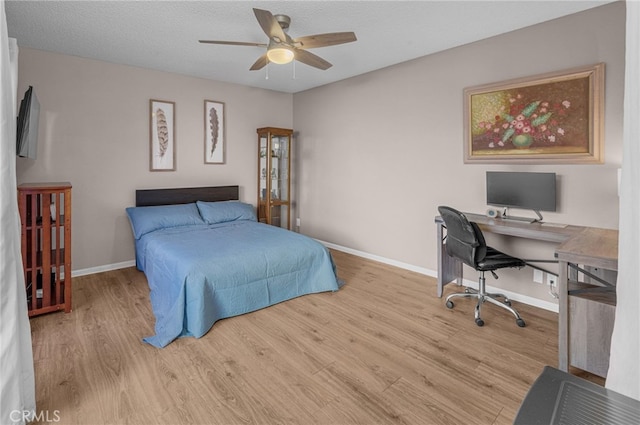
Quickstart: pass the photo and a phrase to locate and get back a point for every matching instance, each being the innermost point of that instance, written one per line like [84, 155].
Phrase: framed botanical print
[162, 135]
[214, 134]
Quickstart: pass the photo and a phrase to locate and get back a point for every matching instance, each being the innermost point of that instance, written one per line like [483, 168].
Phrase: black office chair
[465, 242]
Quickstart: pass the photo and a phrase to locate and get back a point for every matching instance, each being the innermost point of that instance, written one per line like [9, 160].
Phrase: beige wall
[379, 152]
[94, 132]
[375, 154]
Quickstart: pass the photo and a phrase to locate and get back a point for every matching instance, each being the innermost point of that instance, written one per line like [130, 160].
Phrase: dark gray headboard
[186, 195]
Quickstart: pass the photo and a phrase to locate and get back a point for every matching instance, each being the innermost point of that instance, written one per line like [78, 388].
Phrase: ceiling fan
[283, 49]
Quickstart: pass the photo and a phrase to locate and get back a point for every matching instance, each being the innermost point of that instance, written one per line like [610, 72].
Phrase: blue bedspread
[202, 273]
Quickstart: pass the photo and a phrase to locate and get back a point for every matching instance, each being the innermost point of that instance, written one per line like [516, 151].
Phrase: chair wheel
[521, 323]
[449, 304]
[480, 322]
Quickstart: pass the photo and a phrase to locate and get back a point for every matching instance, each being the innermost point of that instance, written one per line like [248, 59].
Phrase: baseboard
[105, 268]
[380, 259]
[525, 299]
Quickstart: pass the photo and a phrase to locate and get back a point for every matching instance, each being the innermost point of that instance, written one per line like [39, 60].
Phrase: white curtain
[17, 384]
[624, 372]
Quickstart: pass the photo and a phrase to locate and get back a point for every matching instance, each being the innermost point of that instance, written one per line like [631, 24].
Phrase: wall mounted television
[524, 190]
[27, 130]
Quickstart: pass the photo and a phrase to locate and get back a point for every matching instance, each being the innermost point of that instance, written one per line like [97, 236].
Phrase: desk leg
[563, 317]
[449, 268]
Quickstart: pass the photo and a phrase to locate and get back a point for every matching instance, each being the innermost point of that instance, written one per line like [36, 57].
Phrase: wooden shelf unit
[591, 316]
[45, 216]
[586, 307]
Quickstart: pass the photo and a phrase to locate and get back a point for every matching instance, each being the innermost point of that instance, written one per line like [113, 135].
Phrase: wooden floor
[383, 349]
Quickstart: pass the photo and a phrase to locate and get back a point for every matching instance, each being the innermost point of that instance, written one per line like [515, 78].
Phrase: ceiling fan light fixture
[283, 49]
[280, 55]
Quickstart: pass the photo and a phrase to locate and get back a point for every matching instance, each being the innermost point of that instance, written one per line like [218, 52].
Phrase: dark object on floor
[558, 397]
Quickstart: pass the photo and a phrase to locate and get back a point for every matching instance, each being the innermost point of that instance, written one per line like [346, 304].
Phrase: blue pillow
[147, 219]
[221, 212]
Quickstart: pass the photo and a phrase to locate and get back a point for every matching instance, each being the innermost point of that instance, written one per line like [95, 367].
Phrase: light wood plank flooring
[383, 349]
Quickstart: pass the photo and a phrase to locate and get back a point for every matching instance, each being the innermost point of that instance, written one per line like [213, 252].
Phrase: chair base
[482, 295]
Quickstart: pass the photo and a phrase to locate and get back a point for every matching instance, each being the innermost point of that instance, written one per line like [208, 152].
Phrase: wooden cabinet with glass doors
[274, 176]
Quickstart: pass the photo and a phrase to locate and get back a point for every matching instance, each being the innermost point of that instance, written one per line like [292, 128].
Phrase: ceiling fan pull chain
[294, 70]
[267, 68]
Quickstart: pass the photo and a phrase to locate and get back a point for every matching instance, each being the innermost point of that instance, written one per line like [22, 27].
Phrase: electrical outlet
[537, 276]
[298, 222]
[551, 279]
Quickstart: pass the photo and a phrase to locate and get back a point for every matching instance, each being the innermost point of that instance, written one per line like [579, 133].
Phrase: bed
[207, 258]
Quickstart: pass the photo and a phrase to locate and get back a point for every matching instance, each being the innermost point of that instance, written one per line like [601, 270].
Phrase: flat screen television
[525, 190]
[27, 131]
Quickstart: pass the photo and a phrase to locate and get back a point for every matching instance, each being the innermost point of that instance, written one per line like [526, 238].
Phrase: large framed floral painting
[544, 119]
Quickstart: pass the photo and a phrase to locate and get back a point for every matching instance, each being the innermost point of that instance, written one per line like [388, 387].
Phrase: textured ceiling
[163, 35]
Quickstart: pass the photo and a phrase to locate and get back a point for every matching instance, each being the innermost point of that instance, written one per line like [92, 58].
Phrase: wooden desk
[577, 245]
[585, 319]
[450, 269]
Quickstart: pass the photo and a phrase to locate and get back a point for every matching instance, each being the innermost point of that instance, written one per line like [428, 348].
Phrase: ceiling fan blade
[260, 63]
[311, 59]
[270, 25]
[233, 43]
[322, 40]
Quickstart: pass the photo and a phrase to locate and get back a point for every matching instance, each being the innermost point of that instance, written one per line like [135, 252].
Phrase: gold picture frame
[162, 135]
[549, 118]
